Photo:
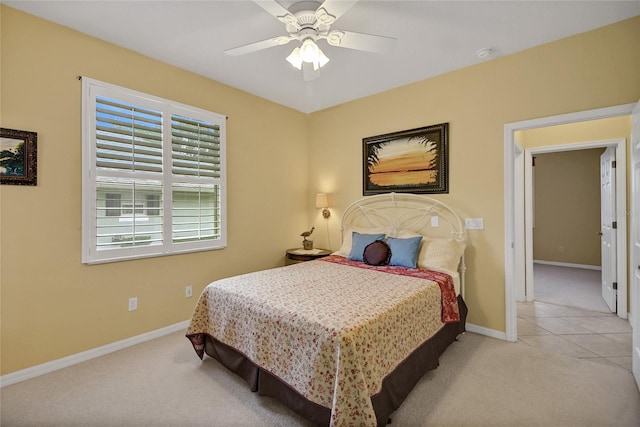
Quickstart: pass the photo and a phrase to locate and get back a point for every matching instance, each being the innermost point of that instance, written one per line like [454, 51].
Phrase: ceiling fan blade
[360, 41]
[331, 10]
[275, 9]
[254, 47]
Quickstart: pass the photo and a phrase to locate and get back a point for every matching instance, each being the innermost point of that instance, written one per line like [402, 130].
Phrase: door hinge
[614, 225]
[613, 164]
[615, 286]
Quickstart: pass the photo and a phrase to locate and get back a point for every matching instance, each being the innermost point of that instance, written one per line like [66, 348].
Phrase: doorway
[566, 192]
[515, 270]
[563, 212]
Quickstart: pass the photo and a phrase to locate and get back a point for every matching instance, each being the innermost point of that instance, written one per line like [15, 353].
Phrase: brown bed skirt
[395, 387]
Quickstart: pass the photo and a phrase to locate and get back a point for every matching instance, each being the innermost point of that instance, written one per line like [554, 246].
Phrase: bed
[344, 339]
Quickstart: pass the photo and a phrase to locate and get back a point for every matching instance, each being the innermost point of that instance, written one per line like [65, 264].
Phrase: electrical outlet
[133, 303]
[435, 221]
[474, 223]
[188, 291]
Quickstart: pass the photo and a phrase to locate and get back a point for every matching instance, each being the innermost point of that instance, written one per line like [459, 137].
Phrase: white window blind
[128, 137]
[195, 156]
[153, 175]
[195, 147]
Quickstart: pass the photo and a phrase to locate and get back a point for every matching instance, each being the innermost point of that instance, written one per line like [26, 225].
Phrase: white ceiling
[433, 37]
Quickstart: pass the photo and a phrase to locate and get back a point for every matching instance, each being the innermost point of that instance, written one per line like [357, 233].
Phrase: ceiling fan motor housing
[311, 22]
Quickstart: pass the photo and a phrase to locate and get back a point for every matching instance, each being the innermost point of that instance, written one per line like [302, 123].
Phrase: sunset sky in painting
[405, 162]
[403, 155]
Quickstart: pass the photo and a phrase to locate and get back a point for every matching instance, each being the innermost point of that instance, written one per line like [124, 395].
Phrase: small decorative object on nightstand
[297, 255]
[307, 244]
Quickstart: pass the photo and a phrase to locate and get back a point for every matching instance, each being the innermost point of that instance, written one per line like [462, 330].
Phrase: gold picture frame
[410, 161]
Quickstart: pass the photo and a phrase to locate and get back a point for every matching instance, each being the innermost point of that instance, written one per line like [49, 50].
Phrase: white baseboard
[54, 365]
[568, 264]
[486, 331]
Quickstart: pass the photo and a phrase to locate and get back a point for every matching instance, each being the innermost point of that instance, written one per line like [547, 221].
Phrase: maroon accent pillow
[377, 253]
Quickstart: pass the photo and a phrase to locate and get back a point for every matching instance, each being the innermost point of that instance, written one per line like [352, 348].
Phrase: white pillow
[440, 254]
[347, 233]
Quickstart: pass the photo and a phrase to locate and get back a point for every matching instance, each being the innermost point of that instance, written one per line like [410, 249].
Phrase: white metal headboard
[414, 213]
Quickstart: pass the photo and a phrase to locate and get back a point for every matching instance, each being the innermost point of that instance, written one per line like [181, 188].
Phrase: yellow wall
[54, 306]
[596, 69]
[573, 133]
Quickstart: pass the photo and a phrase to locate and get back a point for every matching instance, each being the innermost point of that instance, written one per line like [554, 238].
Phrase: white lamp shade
[321, 200]
[310, 53]
[295, 59]
[321, 60]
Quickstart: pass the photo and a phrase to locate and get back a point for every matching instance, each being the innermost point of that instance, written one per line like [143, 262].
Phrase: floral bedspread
[330, 330]
[450, 310]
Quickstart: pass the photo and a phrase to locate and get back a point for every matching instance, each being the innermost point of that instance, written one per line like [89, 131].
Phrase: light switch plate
[474, 223]
[435, 221]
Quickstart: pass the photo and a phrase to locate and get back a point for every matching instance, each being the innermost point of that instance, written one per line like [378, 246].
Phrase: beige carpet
[481, 382]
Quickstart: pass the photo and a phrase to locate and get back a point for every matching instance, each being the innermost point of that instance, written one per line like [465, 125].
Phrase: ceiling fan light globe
[322, 59]
[295, 59]
[309, 51]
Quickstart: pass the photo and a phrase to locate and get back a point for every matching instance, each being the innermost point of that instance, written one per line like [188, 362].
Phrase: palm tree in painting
[431, 147]
[372, 156]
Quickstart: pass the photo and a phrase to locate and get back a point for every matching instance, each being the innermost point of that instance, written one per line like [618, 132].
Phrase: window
[153, 176]
[113, 204]
[153, 204]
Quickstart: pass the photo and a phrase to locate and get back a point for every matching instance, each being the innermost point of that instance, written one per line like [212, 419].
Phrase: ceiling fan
[308, 22]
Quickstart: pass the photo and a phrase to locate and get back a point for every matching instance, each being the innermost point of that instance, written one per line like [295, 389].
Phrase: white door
[635, 240]
[608, 226]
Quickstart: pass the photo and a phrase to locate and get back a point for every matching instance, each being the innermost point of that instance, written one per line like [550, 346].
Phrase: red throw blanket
[450, 310]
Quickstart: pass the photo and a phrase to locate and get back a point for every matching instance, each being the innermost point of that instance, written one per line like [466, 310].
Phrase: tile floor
[600, 337]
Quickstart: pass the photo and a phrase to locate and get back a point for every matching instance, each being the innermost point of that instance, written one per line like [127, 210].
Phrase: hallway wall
[567, 207]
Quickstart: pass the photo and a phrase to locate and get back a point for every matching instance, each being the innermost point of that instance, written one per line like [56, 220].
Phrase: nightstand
[297, 255]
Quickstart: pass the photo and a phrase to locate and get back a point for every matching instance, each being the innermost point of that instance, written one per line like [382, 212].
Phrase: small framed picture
[410, 161]
[18, 157]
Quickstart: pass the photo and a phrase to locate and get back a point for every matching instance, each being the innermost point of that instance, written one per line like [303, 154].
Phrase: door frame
[514, 235]
[620, 145]
[635, 251]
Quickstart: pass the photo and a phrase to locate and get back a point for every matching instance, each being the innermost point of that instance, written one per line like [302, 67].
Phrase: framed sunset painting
[410, 161]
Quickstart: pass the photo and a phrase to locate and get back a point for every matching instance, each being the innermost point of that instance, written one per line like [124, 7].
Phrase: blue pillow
[359, 242]
[404, 252]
